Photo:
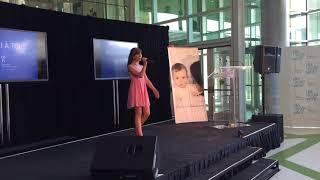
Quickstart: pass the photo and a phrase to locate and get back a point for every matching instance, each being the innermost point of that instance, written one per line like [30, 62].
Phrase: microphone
[149, 60]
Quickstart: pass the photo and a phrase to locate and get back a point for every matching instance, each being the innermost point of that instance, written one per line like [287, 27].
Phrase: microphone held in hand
[149, 60]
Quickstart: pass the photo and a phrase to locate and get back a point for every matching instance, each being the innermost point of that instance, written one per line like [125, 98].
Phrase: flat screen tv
[110, 58]
[23, 55]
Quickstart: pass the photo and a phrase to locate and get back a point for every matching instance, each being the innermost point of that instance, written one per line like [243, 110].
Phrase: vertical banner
[300, 86]
[187, 85]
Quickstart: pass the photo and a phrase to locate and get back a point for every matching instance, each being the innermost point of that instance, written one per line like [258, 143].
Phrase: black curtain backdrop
[72, 103]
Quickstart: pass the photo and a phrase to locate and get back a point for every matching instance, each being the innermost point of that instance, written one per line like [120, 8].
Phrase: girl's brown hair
[133, 52]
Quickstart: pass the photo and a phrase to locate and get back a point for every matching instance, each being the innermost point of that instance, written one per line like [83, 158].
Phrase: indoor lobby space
[250, 67]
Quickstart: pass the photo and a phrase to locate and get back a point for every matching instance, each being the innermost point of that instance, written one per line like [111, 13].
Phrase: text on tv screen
[23, 55]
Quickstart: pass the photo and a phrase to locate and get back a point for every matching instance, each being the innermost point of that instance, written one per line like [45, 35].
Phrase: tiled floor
[299, 157]
[309, 157]
[288, 174]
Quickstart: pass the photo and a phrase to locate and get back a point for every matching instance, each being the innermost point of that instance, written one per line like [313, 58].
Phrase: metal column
[1, 118]
[7, 93]
[116, 120]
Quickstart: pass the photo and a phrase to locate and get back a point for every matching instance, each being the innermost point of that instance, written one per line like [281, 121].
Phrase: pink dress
[138, 94]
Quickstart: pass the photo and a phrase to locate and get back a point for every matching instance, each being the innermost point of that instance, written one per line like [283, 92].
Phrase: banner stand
[187, 85]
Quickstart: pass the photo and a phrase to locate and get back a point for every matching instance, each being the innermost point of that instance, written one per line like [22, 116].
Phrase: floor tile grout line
[283, 155]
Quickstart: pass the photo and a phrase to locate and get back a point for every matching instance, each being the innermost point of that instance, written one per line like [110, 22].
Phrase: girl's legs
[145, 113]
[138, 120]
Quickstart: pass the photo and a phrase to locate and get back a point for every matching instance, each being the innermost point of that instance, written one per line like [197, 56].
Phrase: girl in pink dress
[138, 95]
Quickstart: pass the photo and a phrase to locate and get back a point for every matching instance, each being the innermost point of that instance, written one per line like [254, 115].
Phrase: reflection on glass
[177, 31]
[196, 7]
[195, 29]
[170, 9]
[297, 6]
[217, 25]
[313, 4]
[298, 28]
[110, 9]
[315, 43]
[210, 5]
[314, 26]
[143, 11]
[304, 22]
[217, 90]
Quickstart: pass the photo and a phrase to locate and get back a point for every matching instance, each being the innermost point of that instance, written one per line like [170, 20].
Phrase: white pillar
[274, 18]
[238, 49]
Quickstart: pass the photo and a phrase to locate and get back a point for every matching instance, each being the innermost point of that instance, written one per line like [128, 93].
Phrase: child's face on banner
[180, 78]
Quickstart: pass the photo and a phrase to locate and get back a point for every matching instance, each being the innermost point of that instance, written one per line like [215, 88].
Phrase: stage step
[228, 166]
[262, 169]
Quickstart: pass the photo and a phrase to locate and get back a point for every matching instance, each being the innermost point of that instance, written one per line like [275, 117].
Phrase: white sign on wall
[300, 86]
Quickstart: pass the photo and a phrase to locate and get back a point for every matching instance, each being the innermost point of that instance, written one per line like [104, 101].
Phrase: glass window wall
[143, 9]
[304, 22]
[298, 27]
[313, 4]
[314, 26]
[177, 32]
[252, 80]
[108, 9]
[203, 20]
[170, 9]
[216, 26]
[297, 6]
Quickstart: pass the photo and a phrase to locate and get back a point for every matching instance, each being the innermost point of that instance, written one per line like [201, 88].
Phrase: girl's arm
[151, 86]
[134, 72]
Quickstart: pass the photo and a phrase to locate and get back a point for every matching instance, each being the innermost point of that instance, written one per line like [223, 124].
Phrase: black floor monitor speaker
[126, 158]
[271, 118]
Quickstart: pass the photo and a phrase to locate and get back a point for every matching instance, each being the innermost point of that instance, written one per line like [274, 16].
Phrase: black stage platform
[185, 150]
